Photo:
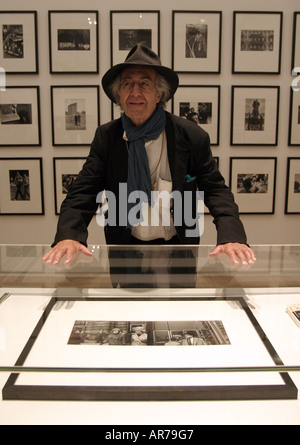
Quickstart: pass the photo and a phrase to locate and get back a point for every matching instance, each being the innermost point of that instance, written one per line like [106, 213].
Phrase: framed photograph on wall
[196, 41]
[252, 181]
[296, 43]
[292, 197]
[21, 186]
[294, 124]
[254, 115]
[18, 42]
[200, 104]
[256, 42]
[127, 28]
[20, 116]
[73, 42]
[65, 172]
[75, 114]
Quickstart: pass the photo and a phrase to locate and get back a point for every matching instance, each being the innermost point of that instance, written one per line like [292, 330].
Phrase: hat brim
[170, 76]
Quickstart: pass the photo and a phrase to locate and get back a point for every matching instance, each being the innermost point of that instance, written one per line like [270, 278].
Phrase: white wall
[261, 229]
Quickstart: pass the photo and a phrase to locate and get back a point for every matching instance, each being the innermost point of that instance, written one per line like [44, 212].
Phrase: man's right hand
[66, 247]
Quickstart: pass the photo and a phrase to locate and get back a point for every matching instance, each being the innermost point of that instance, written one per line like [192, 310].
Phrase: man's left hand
[237, 252]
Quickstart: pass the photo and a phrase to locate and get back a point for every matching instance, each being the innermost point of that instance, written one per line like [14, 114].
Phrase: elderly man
[147, 149]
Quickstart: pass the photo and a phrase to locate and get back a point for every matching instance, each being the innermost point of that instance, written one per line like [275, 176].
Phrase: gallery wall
[265, 219]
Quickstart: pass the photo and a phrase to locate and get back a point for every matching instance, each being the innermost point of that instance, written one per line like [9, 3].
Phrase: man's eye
[145, 84]
[127, 83]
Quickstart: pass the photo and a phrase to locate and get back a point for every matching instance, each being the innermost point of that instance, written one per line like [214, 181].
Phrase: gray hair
[162, 86]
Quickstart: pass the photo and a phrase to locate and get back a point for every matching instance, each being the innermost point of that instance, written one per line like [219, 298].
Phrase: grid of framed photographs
[73, 37]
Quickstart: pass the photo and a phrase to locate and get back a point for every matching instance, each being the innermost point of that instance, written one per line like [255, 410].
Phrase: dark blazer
[189, 153]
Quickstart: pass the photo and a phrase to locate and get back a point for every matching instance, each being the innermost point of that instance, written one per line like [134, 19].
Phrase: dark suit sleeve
[217, 196]
[80, 205]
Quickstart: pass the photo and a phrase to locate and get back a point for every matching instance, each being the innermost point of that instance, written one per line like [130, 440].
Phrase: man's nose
[136, 88]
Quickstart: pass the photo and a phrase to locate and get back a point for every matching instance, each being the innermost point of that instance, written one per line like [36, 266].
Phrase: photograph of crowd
[257, 40]
[198, 112]
[12, 38]
[252, 183]
[73, 40]
[149, 333]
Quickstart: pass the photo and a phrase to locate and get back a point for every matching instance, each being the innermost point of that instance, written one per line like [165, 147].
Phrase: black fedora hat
[140, 55]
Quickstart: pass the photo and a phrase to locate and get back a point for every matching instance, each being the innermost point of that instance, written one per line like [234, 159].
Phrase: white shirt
[157, 220]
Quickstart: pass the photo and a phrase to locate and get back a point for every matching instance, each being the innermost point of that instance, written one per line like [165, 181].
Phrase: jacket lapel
[178, 154]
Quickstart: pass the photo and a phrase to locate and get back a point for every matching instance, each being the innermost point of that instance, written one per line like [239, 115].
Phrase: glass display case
[70, 332]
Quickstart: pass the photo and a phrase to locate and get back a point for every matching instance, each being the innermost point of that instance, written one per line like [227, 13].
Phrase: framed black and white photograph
[21, 186]
[294, 120]
[74, 42]
[253, 183]
[75, 114]
[254, 115]
[65, 172]
[153, 349]
[20, 116]
[256, 42]
[196, 41]
[18, 42]
[292, 198]
[296, 43]
[127, 28]
[200, 104]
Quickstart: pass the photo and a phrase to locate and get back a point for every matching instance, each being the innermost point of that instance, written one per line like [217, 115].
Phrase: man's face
[137, 103]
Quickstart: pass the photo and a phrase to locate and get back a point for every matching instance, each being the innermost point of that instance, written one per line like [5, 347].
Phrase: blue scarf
[139, 178]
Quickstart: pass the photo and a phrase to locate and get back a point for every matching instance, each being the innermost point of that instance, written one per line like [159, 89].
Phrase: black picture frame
[254, 115]
[65, 171]
[20, 116]
[18, 42]
[21, 191]
[75, 114]
[73, 42]
[190, 30]
[285, 390]
[296, 45]
[187, 103]
[129, 27]
[253, 182]
[257, 38]
[292, 194]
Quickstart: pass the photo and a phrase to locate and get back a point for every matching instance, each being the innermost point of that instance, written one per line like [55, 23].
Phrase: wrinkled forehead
[138, 70]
